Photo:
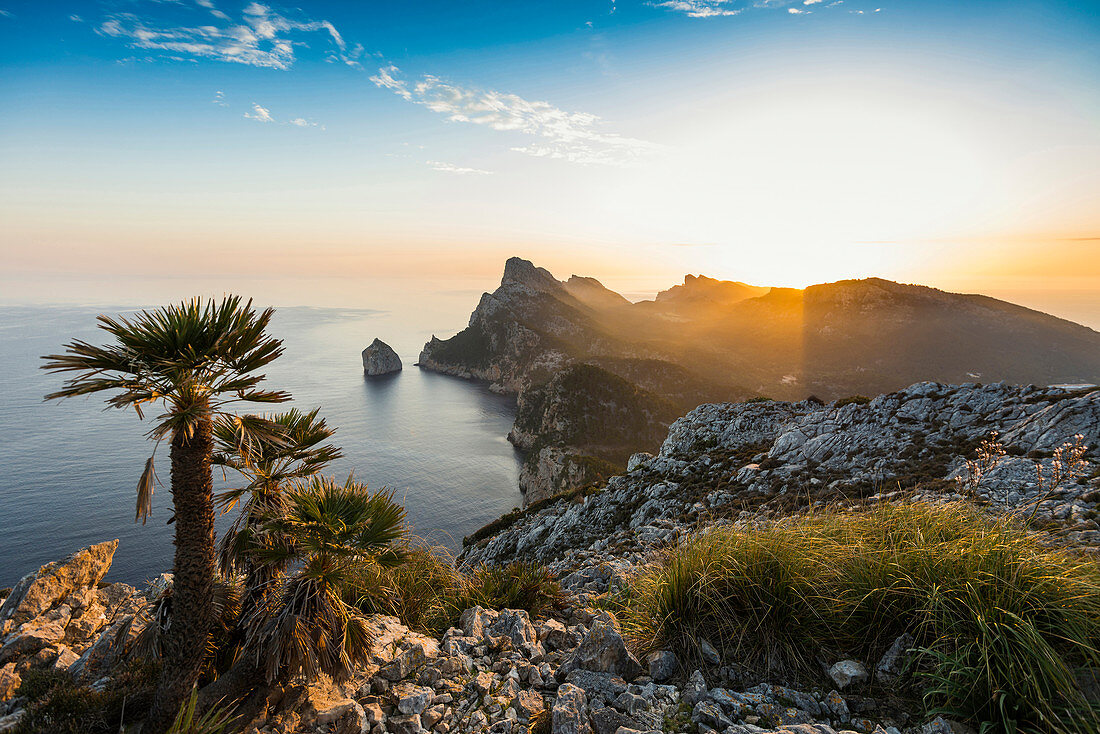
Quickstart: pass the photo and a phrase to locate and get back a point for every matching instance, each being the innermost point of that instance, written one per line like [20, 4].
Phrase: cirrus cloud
[451, 168]
[578, 137]
[261, 37]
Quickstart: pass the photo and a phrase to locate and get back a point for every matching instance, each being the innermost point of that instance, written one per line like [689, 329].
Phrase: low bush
[56, 705]
[1002, 622]
[519, 585]
[428, 594]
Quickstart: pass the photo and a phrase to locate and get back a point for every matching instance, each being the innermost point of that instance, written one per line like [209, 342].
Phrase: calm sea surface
[68, 469]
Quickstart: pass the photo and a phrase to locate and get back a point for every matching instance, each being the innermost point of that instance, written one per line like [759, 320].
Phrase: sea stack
[380, 359]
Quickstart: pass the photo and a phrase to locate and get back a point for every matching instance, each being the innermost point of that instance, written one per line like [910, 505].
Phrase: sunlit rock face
[752, 461]
[703, 340]
[380, 359]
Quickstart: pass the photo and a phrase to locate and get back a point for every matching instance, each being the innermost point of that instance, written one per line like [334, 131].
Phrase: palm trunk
[240, 681]
[192, 588]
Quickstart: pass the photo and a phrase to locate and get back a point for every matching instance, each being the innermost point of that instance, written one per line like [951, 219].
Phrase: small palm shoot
[327, 530]
[269, 464]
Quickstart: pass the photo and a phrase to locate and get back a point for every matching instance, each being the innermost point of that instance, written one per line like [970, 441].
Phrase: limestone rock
[662, 665]
[515, 624]
[380, 359]
[413, 699]
[9, 681]
[892, 663]
[709, 653]
[528, 704]
[37, 592]
[848, 672]
[603, 650]
[29, 641]
[569, 712]
[65, 659]
[695, 689]
[404, 664]
[408, 724]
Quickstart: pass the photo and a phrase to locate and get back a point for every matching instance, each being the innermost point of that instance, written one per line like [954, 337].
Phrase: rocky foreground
[499, 671]
[741, 464]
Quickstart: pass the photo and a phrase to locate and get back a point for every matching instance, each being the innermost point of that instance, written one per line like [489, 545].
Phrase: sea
[69, 469]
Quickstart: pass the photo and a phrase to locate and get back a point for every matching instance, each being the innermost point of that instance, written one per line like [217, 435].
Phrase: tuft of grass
[407, 591]
[1002, 622]
[190, 721]
[428, 593]
[518, 585]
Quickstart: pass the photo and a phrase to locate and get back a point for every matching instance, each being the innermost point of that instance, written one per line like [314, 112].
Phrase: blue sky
[778, 141]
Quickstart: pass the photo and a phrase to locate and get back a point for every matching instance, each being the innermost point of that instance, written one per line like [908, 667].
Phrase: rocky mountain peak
[518, 271]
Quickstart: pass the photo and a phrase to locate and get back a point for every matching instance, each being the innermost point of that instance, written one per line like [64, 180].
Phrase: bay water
[69, 469]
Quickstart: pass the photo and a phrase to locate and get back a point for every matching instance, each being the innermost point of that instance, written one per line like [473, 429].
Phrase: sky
[303, 150]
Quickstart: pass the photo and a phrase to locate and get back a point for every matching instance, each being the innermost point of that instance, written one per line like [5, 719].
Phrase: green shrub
[428, 594]
[519, 585]
[35, 684]
[407, 591]
[853, 400]
[1001, 621]
[58, 706]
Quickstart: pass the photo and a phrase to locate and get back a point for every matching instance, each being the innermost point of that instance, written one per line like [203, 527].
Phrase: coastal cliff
[718, 341]
[581, 426]
[831, 340]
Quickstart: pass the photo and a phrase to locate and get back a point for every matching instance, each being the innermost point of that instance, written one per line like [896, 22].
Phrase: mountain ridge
[718, 341]
[532, 324]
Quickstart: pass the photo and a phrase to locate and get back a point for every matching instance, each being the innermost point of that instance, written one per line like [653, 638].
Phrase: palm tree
[195, 359]
[329, 530]
[268, 465]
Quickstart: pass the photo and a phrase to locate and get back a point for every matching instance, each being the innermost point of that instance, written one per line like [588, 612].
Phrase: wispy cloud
[261, 37]
[219, 99]
[720, 8]
[579, 137]
[700, 8]
[451, 168]
[6, 13]
[260, 114]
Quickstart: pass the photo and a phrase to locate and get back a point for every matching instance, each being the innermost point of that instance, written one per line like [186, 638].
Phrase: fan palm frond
[289, 447]
[194, 358]
[324, 530]
[310, 630]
